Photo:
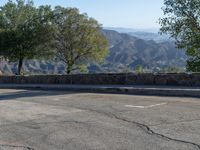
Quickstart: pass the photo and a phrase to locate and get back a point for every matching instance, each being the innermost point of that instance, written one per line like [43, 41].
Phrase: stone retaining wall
[118, 79]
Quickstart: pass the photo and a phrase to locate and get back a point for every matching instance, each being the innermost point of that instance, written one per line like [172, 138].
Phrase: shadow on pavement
[29, 94]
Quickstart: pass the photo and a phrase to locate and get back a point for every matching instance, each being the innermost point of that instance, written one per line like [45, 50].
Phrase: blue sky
[140, 14]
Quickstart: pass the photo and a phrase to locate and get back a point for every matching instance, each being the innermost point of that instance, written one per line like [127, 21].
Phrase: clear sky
[115, 13]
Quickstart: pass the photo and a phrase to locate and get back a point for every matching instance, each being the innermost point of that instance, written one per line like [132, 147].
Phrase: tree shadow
[30, 94]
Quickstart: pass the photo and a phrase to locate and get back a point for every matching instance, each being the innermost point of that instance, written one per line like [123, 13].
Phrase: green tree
[139, 69]
[24, 31]
[78, 39]
[181, 21]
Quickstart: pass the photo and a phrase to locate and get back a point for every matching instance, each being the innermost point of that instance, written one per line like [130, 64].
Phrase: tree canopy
[78, 38]
[182, 22]
[29, 32]
[24, 31]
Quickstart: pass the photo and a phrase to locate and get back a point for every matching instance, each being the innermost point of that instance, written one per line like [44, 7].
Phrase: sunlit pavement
[53, 120]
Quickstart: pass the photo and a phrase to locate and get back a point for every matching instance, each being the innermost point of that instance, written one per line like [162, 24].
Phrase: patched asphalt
[57, 120]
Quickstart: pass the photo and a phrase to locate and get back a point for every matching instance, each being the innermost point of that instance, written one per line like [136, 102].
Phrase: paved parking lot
[54, 120]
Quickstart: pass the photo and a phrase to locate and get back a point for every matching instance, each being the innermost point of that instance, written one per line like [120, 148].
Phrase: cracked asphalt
[57, 120]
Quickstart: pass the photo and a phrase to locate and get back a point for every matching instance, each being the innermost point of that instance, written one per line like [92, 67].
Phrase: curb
[115, 89]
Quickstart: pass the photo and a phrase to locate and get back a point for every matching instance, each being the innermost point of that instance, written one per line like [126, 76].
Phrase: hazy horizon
[126, 30]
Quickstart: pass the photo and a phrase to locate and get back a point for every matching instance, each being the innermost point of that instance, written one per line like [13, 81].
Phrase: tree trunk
[69, 68]
[20, 66]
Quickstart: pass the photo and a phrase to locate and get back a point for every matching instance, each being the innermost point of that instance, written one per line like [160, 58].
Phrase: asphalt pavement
[58, 120]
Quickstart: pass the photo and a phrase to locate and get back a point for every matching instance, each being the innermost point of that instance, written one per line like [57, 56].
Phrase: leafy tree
[139, 69]
[78, 39]
[181, 21]
[24, 31]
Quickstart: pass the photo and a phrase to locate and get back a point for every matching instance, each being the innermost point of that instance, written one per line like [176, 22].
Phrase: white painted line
[143, 107]
[132, 106]
[156, 105]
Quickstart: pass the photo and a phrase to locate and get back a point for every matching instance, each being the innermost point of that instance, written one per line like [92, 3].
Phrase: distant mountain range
[151, 36]
[127, 30]
[145, 34]
[127, 50]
